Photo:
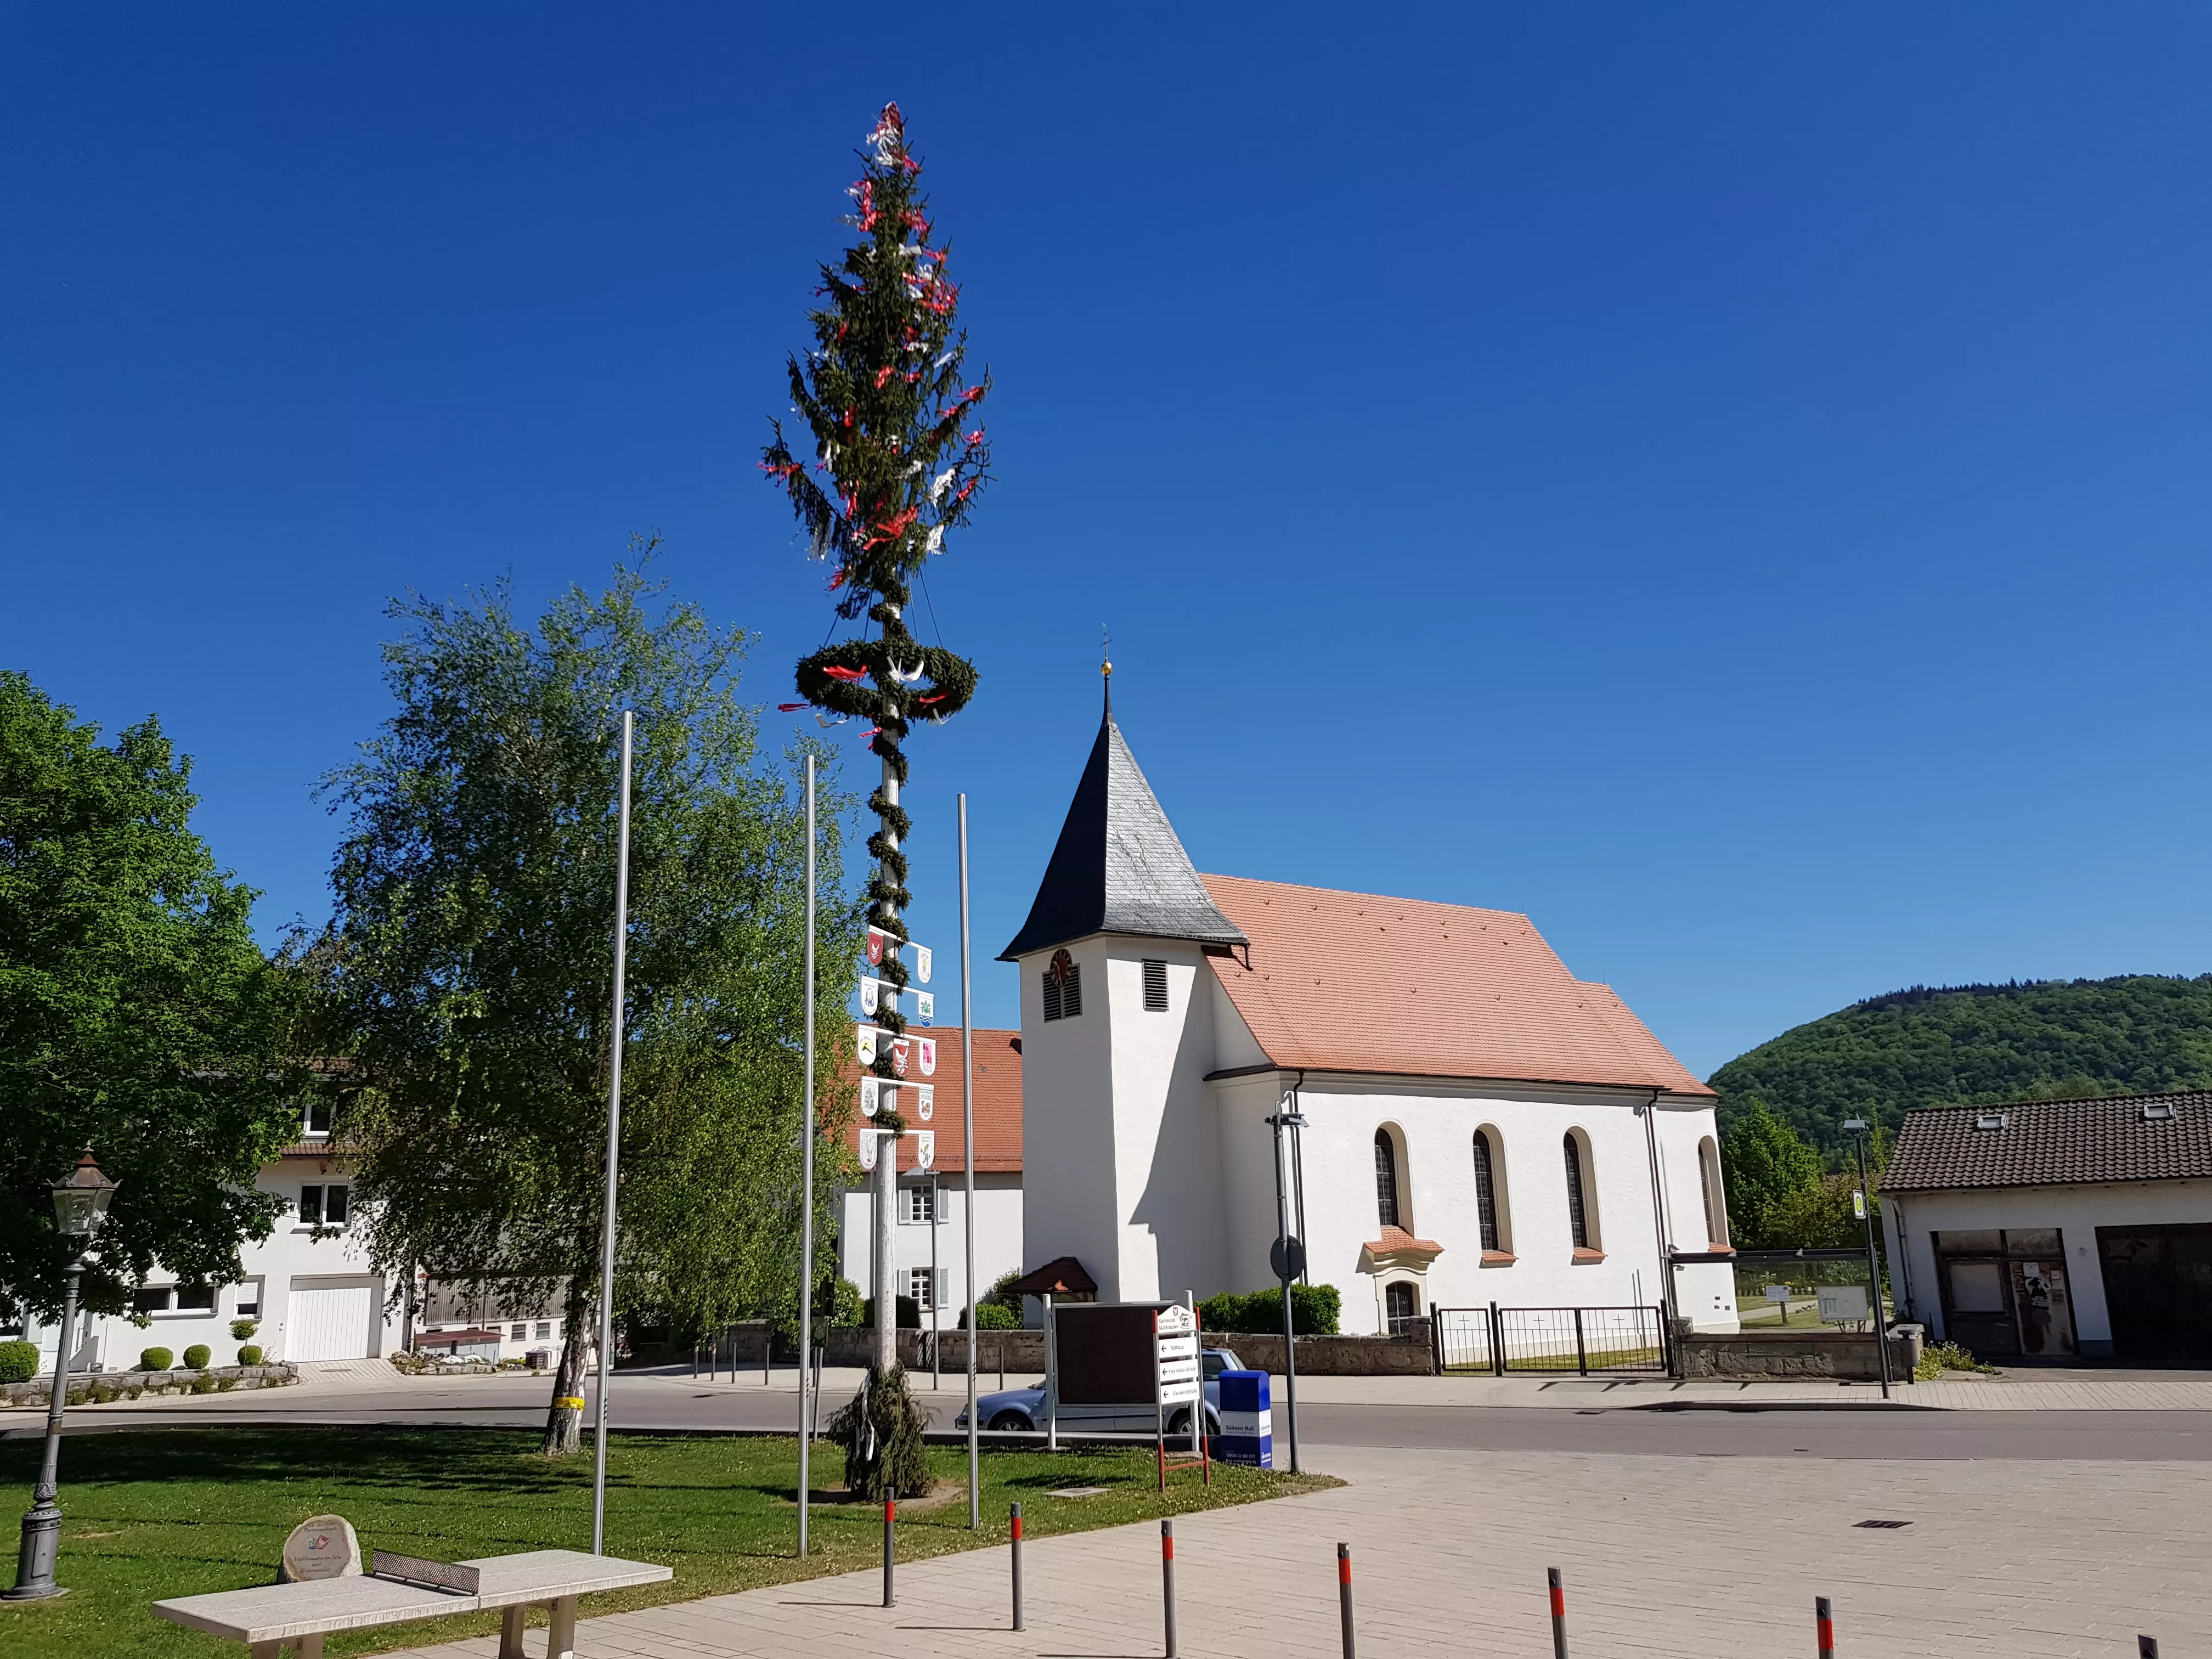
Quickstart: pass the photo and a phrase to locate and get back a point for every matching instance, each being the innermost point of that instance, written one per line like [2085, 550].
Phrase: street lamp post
[1288, 1260]
[80, 1205]
[1858, 1127]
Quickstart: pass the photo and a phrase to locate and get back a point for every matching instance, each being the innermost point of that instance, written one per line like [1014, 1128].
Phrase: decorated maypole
[898, 453]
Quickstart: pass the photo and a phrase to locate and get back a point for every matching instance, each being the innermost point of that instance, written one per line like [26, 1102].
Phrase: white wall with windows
[997, 1237]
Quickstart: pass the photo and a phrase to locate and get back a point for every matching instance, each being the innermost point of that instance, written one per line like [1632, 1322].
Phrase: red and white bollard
[1016, 1552]
[1824, 1627]
[1558, 1613]
[891, 1520]
[1167, 1580]
[1344, 1594]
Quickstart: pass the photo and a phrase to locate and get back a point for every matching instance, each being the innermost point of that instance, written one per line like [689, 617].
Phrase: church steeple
[1119, 866]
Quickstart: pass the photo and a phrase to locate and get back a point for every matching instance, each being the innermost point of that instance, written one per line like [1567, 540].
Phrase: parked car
[1023, 1409]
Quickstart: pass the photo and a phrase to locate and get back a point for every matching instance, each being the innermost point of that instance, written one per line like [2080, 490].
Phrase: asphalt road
[671, 1403]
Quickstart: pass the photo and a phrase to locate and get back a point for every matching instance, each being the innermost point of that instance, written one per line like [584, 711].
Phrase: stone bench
[267, 1616]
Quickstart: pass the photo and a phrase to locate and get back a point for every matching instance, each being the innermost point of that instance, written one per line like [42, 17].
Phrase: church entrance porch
[1552, 1340]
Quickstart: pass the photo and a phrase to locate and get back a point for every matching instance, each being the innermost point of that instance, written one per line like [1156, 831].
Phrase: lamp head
[1856, 1125]
[81, 1202]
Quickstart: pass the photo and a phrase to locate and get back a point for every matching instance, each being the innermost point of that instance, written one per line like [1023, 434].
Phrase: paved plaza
[1663, 1555]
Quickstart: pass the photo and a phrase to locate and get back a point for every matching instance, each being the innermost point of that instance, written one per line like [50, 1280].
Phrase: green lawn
[176, 1512]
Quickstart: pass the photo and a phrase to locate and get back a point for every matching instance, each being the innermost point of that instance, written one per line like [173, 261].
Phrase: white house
[308, 1288]
[943, 1229]
[2057, 1227]
[1481, 1125]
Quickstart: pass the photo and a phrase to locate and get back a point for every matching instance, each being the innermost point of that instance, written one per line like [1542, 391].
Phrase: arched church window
[1063, 987]
[1578, 1216]
[1485, 1191]
[1709, 1187]
[1386, 1180]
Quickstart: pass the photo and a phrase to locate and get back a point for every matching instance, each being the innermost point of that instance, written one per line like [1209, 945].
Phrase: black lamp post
[80, 1206]
[1859, 1127]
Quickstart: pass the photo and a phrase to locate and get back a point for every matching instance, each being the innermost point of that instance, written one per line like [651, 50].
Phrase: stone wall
[1846, 1356]
[102, 1386]
[1335, 1356]
[1020, 1353]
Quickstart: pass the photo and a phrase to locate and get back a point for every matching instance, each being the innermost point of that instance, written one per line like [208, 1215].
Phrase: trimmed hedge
[196, 1356]
[249, 1354]
[906, 1313]
[990, 1316]
[155, 1359]
[1313, 1310]
[19, 1361]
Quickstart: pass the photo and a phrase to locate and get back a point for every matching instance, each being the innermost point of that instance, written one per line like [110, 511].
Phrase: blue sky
[1728, 480]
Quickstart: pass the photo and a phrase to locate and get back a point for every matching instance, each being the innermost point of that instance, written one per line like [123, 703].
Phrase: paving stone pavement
[1662, 1556]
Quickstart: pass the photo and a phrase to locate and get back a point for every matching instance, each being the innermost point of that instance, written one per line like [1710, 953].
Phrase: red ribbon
[848, 675]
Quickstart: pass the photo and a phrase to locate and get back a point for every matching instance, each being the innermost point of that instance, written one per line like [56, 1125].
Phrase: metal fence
[1557, 1340]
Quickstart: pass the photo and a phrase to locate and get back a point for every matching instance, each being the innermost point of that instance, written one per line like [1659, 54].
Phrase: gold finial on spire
[1105, 645]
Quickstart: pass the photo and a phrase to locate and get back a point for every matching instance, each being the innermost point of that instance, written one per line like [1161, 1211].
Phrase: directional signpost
[1177, 1381]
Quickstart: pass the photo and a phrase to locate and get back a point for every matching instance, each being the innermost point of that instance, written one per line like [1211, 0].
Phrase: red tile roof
[998, 1102]
[1354, 982]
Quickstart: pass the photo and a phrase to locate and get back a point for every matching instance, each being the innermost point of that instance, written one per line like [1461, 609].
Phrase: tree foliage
[138, 1015]
[1770, 1175]
[880, 1429]
[1968, 1044]
[471, 971]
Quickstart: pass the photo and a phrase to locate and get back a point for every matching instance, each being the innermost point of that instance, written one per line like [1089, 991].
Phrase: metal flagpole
[968, 1157]
[806, 1189]
[614, 1147]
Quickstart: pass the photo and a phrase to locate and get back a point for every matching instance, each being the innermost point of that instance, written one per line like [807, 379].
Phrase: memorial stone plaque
[322, 1546]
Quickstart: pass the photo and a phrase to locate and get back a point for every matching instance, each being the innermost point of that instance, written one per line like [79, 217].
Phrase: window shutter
[944, 1287]
[1156, 988]
[1051, 997]
[1071, 998]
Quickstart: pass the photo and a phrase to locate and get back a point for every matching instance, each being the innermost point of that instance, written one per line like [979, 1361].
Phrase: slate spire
[1118, 866]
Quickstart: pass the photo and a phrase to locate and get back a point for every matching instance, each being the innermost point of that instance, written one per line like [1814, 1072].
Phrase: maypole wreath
[893, 473]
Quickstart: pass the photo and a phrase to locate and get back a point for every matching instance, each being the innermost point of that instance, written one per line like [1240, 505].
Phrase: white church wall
[1436, 1125]
[1686, 1135]
[1167, 1140]
[1071, 1205]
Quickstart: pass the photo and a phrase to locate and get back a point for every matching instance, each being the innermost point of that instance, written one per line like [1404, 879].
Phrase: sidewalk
[1661, 1556]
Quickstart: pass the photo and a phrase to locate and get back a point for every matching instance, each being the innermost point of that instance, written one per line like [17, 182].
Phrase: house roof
[997, 1103]
[1354, 982]
[1061, 1276]
[2051, 1143]
[1118, 866]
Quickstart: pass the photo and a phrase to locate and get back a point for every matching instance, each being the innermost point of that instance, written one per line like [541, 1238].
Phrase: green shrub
[1940, 1356]
[1313, 1307]
[196, 1356]
[839, 1303]
[19, 1362]
[906, 1313]
[249, 1355]
[242, 1330]
[206, 1384]
[155, 1359]
[990, 1316]
[1004, 1297]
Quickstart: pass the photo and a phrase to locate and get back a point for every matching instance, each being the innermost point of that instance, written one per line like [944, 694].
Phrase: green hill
[1963, 1044]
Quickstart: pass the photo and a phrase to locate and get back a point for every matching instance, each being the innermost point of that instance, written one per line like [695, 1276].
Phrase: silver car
[1023, 1409]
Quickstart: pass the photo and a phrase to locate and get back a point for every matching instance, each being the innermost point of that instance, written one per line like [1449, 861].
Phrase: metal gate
[1557, 1340]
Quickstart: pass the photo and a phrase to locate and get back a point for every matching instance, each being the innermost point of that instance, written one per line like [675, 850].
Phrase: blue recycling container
[1248, 1432]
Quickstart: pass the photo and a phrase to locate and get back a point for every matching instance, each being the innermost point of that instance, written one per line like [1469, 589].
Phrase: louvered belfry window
[1385, 1179]
[1063, 987]
[1156, 986]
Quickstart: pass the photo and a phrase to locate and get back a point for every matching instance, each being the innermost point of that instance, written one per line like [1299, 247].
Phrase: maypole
[882, 395]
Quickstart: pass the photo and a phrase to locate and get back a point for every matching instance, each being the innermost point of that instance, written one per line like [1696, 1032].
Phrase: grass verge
[161, 1513]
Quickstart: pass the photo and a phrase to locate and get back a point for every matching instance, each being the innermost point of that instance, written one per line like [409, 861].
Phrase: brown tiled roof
[1397, 1238]
[998, 1102]
[1061, 1276]
[1353, 983]
[2048, 1143]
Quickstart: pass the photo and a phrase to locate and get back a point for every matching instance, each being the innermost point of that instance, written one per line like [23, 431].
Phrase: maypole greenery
[893, 473]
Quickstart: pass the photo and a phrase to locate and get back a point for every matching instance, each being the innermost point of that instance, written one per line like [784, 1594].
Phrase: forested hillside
[1964, 1043]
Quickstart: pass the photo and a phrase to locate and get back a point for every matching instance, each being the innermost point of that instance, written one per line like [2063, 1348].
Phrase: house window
[1156, 986]
[918, 1286]
[1385, 1179]
[195, 1299]
[1485, 1191]
[544, 1329]
[1063, 987]
[151, 1298]
[249, 1298]
[324, 1207]
[921, 1204]
[1401, 1305]
[1577, 1203]
[517, 1333]
[316, 1116]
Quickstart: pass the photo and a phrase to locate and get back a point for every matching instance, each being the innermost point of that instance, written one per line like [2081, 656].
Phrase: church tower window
[1385, 1179]
[1063, 987]
[1156, 986]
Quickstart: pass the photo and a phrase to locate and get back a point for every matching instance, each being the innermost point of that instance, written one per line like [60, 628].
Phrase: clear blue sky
[1731, 481]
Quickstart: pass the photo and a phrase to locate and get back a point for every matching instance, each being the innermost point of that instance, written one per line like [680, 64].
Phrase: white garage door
[329, 1323]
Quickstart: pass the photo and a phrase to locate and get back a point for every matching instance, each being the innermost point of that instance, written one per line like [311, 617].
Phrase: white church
[1480, 1125]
